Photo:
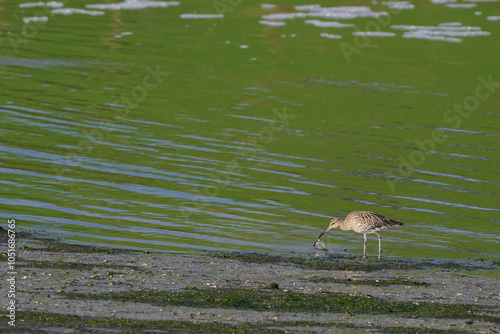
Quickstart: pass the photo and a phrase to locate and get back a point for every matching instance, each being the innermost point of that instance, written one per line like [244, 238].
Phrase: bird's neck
[343, 226]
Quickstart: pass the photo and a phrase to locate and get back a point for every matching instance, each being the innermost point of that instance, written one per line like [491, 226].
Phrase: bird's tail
[395, 223]
[388, 222]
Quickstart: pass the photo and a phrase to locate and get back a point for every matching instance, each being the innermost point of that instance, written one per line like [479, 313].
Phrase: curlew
[362, 222]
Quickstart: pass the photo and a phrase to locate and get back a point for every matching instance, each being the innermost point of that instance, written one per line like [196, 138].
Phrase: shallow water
[216, 126]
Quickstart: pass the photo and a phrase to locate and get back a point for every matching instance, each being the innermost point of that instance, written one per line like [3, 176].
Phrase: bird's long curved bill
[319, 237]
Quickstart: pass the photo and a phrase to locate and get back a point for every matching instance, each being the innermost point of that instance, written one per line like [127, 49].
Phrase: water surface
[246, 126]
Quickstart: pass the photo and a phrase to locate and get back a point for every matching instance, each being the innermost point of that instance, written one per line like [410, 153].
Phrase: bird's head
[334, 223]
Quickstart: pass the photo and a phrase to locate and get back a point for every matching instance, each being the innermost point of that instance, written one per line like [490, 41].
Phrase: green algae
[288, 301]
[374, 282]
[426, 330]
[33, 320]
[69, 265]
[58, 246]
[369, 329]
[352, 263]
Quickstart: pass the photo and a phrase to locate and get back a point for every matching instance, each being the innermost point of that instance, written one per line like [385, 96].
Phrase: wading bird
[362, 222]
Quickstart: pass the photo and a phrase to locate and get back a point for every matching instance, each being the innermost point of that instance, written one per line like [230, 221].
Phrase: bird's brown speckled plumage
[367, 222]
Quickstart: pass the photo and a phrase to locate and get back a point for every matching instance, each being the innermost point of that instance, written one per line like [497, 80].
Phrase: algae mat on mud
[288, 301]
[92, 289]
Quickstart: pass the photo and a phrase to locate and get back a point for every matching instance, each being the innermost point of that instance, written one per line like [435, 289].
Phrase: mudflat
[64, 287]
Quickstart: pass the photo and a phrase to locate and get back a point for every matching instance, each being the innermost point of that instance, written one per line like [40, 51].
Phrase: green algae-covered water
[242, 125]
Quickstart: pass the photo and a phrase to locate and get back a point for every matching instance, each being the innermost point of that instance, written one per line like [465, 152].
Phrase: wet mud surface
[74, 288]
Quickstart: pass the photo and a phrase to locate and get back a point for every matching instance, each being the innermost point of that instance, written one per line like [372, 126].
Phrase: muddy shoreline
[73, 288]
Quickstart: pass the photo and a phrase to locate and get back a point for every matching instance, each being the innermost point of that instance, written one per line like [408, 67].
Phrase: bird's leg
[364, 248]
[379, 244]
